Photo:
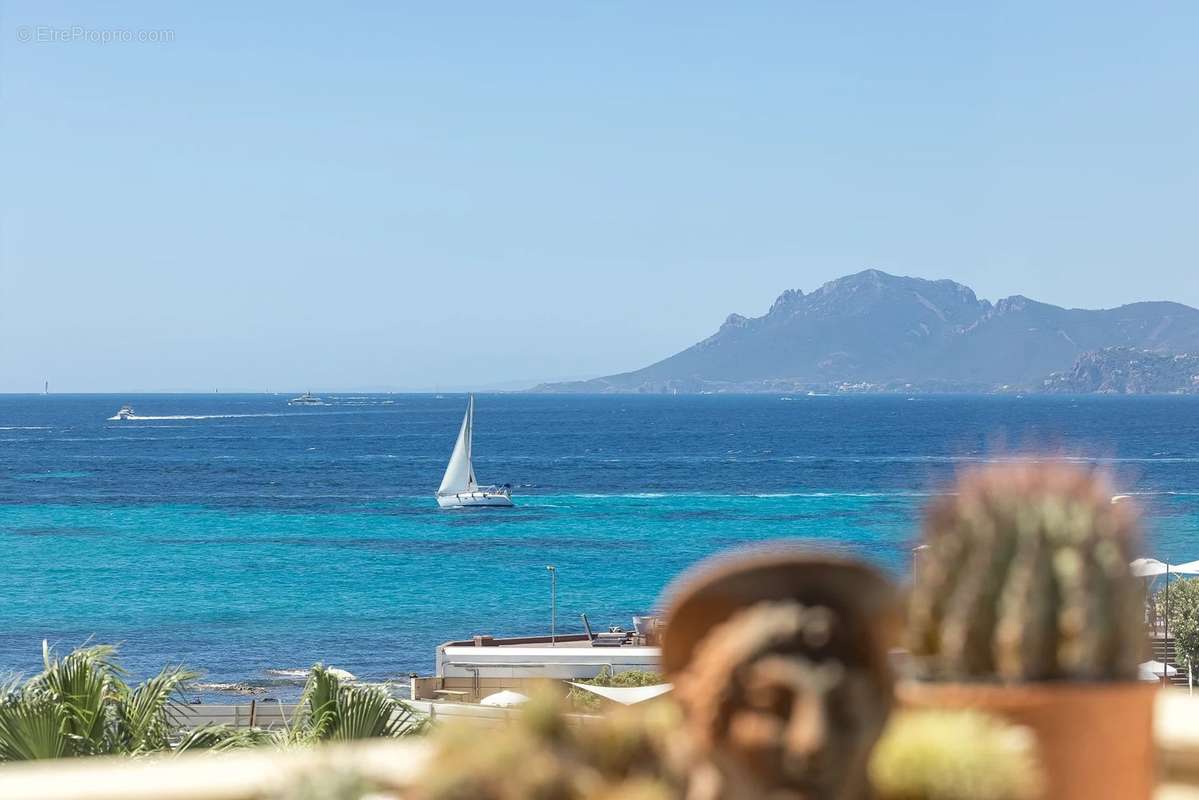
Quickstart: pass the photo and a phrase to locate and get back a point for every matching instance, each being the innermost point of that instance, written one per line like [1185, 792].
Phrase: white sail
[460, 472]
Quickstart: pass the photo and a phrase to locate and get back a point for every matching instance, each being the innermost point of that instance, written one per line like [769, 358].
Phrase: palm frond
[32, 725]
[331, 711]
[368, 711]
[147, 717]
[318, 705]
[81, 705]
[82, 683]
[226, 737]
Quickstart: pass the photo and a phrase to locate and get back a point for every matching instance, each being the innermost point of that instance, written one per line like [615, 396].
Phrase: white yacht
[126, 412]
[459, 488]
[306, 399]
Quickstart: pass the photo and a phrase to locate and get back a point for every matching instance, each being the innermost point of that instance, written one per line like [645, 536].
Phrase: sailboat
[459, 488]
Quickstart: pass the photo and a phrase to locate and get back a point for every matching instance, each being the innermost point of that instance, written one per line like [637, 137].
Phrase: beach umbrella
[1149, 567]
[504, 699]
[1152, 670]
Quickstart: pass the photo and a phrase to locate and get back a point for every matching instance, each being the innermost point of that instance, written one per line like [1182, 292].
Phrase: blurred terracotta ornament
[779, 658]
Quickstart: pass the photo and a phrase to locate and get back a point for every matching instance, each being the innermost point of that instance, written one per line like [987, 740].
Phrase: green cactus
[1025, 577]
[955, 755]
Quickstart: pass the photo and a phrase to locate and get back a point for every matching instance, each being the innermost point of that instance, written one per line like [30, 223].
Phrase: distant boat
[306, 399]
[126, 412]
[459, 488]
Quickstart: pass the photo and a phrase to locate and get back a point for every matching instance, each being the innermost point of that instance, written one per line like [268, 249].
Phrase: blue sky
[297, 196]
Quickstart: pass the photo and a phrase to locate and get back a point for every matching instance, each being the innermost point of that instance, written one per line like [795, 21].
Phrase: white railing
[392, 765]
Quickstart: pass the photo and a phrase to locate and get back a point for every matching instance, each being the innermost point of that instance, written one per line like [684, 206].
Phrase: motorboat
[126, 412]
[306, 399]
[459, 487]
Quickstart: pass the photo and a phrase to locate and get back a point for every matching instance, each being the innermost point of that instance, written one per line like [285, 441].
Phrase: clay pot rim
[711, 591]
[1001, 684]
[918, 692]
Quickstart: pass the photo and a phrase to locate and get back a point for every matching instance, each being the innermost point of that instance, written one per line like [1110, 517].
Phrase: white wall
[543, 662]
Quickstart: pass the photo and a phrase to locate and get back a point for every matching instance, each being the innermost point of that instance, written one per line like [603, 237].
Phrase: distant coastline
[804, 389]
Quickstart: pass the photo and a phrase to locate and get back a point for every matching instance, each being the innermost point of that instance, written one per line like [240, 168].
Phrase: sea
[249, 539]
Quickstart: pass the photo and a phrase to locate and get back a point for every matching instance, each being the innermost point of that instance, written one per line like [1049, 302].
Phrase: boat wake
[147, 418]
[741, 495]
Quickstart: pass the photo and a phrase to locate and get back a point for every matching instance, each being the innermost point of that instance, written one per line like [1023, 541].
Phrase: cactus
[540, 753]
[1025, 577]
[955, 755]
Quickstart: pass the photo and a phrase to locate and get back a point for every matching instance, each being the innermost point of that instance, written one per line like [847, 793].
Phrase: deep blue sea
[249, 538]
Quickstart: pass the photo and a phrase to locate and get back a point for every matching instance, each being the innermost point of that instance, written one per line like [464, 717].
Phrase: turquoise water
[253, 545]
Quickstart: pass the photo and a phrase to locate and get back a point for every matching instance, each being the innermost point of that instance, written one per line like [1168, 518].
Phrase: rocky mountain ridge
[1128, 370]
[872, 331]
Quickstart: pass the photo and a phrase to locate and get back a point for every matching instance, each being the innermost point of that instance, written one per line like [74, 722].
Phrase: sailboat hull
[475, 500]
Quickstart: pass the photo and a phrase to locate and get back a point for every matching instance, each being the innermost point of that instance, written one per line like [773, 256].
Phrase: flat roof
[562, 640]
[599, 653]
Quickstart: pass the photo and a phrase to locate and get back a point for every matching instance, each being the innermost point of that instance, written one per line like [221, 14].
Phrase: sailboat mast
[470, 432]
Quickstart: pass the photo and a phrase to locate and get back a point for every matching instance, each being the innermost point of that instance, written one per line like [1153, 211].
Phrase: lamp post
[1166, 641]
[553, 571]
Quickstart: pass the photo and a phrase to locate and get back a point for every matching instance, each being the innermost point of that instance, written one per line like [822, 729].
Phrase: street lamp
[553, 571]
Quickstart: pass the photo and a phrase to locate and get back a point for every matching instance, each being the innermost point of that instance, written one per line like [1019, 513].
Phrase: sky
[404, 195]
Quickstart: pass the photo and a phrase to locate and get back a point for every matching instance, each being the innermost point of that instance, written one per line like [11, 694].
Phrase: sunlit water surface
[250, 538]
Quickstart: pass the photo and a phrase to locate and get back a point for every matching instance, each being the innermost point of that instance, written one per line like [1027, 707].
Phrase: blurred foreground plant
[547, 755]
[1024, 577]
[954, 755]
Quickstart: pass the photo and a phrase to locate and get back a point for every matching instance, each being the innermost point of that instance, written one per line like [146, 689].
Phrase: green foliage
[330, 711]
[1025, 577]
[149, 715]
[625, 755]
[1183, 618]
[224, 737]
[32, 725]
[954, 755]
[80, 705]
[582, 700]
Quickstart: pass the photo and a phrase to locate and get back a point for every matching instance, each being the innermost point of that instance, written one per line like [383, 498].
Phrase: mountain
[874, 331]
[1127, 370]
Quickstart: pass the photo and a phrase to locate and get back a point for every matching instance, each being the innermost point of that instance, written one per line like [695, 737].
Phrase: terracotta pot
[1095, 739]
